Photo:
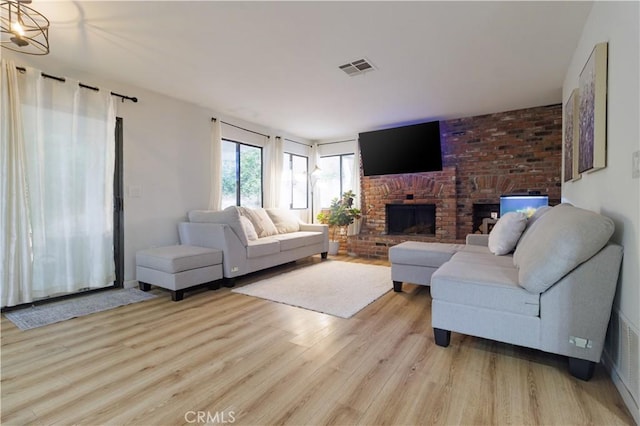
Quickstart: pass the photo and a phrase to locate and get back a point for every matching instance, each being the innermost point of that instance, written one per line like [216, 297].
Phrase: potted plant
[338, 216]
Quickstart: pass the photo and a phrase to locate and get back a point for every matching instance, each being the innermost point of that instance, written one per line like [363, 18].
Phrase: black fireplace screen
[417, 219]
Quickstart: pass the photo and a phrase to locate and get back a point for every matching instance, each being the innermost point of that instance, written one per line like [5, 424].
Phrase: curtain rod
[85, 86]
[261, 134]
[241, 128]
[299, 143]
[331, 143]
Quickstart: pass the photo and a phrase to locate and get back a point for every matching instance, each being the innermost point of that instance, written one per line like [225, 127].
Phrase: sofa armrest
[478, 240]
[218, 236]
[309, 227]
[579, 306]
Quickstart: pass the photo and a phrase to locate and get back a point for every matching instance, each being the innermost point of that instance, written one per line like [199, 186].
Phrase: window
[241, 175]
[295, 191]
[335, 178]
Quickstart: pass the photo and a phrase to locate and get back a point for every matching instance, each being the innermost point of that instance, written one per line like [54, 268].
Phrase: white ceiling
[276, 63]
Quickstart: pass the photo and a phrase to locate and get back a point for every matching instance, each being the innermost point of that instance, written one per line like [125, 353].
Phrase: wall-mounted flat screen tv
[408, 149]
[526, 204]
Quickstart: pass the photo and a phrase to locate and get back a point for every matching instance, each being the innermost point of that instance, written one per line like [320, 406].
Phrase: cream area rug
[331, 287]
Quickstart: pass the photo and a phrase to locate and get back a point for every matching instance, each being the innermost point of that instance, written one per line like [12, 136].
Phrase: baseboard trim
[628, 400]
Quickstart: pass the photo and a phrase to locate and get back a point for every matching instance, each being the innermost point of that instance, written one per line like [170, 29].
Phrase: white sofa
[554, 292]
[253, 239]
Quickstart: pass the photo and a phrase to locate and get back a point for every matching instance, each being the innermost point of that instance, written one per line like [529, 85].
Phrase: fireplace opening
[480, 212]
[411, 219]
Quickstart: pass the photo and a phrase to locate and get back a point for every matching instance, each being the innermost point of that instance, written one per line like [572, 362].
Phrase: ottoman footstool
[177, 268]
[415, 262]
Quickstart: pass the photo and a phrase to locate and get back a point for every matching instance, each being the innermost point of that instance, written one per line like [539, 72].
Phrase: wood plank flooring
[221, 357]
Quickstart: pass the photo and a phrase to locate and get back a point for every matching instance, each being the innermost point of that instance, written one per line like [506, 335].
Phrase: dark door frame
[118, 206]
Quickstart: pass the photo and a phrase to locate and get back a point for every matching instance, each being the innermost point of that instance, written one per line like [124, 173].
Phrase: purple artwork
[592, 123]
[569, 131]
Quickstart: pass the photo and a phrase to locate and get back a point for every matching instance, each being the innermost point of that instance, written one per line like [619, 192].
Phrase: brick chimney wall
[483, 157]
[504, 153]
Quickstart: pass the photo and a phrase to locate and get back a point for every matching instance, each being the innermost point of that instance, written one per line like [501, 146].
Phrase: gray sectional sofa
[253, 239]
[553, 292]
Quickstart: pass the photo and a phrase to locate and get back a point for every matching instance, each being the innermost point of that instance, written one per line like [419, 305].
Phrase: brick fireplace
[483, 157]
[433, 188]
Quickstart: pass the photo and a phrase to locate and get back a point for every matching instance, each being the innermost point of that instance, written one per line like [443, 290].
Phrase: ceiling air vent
[357, 67]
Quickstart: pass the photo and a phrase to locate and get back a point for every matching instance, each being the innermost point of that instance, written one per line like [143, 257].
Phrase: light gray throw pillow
[558, 242]
[505, 234]
[531, 221]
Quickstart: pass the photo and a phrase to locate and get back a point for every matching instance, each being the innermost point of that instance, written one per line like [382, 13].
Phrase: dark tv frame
[417, 149]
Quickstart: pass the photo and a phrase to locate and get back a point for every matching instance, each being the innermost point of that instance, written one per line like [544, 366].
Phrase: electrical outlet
[235, 269]
[635, 165]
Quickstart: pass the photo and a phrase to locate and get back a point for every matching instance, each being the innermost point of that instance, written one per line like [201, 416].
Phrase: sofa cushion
[485, 257]
[174, 259]
[294, 240]
[484, 286]
[558, 242]
[260, 220]
[262, 247]
[284, 220]
[229, 216]
[249, 229]
[540, 211]
[507, 231]
[422, 254]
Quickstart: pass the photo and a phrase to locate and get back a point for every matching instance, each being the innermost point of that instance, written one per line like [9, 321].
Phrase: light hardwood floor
[230, 358]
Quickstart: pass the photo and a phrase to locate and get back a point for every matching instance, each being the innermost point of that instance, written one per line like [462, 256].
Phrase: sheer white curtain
[314, 171]
[15, 247]
[215, 198]
[354, 228]
[274, 154]
[60, 144]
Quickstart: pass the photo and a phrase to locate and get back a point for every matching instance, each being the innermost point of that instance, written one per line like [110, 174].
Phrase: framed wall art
[571, 135]
[592, 139]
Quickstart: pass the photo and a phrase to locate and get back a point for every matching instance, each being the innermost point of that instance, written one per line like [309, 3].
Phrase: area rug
[41, 315]
[331, 287]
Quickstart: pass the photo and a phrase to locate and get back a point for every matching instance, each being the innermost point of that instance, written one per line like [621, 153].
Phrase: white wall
[612, 191]
[166, 158]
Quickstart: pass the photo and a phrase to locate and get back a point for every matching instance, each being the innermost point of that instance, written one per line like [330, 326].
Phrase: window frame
[290, 168]
[341, 177]
[238, 144]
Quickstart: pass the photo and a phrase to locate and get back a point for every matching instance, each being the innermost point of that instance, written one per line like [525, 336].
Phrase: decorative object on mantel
[571, 135]
[593, 111]
[23, 29]
[339, 216]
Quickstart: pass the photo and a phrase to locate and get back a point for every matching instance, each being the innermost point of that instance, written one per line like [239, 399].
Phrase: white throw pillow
[249, 229]
[507, 231]
[284, 221]
[261, 222]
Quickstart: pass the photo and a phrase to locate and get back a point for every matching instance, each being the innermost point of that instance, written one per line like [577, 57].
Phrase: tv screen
[408, 149]
[526, 204]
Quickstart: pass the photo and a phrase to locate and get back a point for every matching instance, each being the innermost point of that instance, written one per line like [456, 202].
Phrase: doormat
[41, 315]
